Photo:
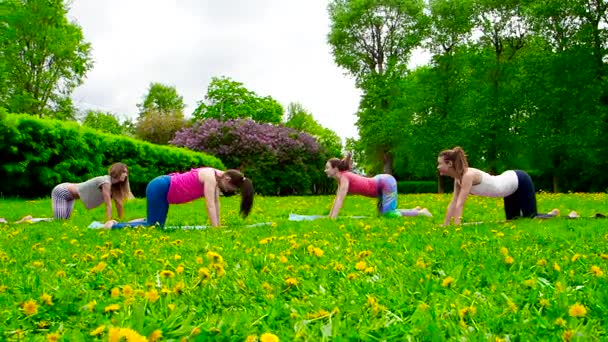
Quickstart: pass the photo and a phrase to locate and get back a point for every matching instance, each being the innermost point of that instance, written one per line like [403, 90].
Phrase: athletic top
[502, 185]
[185, 187]
[90, 191]
[360, 185]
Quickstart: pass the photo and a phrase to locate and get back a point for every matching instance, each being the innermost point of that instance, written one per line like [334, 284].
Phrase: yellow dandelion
[361, 265]
[560, 322]
[179, 269]
[544, 302]
[604, 256]
[195, 331]
[111, 308]
[283, 259]
[177, 257]
[60, 274]
[575, 257]
[179, 287]
[541, 262]
[251, 338]
[556, 267]
[167, 274]
[509, 260]
[504, 251]
[511, 306]
[155, 335]
[37, 264]
[352, 276]
[115, 292]
[266, 286]
[98, 331]
[127, 291]
[369, 270]
[420, 263]
[3, 288]
[596, 271]
[91, 305]
[100, 267]
[577, 310]
[139, 252]
[568, 334]
[338, 267]
[46, 298]
[53, 337]
[447, 281]
[152, 296]
[291, 282]
[318, 252]
[204, 273]
[30, 307]
[215, 257]
[423, 306]
[364, 254]
[530, 282]
[268, 337]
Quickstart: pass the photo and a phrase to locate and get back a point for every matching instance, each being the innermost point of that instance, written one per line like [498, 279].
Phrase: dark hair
[344, 164]
[240, 181]
[458, 158]
[120, 191]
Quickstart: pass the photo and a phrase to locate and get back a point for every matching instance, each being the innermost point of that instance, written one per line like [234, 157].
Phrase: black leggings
[521, 203]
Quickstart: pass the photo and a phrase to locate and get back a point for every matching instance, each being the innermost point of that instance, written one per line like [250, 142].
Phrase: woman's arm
[465, 189]
[340, 195]
[107, 199]
[207, 177]
[119, 208]
[450, 212]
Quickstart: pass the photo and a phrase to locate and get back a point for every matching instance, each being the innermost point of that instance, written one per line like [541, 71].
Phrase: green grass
[369, 279]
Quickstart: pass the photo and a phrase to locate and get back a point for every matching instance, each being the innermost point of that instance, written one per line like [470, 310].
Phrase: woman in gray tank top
[94, 192]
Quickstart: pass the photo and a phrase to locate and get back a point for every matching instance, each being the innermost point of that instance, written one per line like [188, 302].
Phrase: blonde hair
[120, 191]
[458, 159]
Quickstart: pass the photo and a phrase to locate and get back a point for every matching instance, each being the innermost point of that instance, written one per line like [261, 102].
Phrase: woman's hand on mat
[109, 224]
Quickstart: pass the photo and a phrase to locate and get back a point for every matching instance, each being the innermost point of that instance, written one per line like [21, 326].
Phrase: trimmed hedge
[38, 154]
[416, 187]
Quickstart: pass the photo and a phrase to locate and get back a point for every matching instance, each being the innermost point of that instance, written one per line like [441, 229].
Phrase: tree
[227, 99]
[301, 120]
[101, 121]
[162, 99]
[373, 40]
[44, 56]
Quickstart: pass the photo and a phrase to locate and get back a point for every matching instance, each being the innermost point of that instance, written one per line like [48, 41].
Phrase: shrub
[279, 160]
[416, 187]
[38, 154]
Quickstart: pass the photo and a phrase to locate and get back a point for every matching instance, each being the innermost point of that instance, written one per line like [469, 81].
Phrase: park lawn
[369, 279]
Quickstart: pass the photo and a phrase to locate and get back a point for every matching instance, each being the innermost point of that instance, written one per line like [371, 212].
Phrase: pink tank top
[185, 187]
[360, 185]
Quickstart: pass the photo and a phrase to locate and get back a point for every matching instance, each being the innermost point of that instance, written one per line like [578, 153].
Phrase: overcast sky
[276, 48]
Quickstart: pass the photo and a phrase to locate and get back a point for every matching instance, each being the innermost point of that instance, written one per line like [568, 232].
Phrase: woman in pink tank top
[178, 188]
[383, 186]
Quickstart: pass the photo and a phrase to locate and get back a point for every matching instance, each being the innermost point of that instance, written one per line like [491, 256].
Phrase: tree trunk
[388, 163]
[555, 183]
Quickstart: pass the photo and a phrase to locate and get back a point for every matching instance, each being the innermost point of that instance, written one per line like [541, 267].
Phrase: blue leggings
[157, 204]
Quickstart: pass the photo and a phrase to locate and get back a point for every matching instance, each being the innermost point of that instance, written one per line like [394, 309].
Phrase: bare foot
[417, 207]
[109, 224]
[425, 212]
[554, 212]
[25, 219]
[573, 214]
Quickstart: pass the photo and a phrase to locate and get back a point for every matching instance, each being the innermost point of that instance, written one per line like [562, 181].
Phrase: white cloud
[274, 47]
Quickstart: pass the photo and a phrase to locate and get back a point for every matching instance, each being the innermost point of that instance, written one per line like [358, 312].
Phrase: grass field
[367, 279]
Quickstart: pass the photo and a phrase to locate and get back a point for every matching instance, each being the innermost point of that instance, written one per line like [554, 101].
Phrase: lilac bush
[278, 159]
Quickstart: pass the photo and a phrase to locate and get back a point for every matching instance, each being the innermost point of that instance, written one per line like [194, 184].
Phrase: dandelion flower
[115, 292]
[568, 334]
[544, 302]
[577, 310]
[215, 257]
[361, 265]
[111, 308]
[53, 337]
[251, 338]
[30, 307]
[152, 296]
[560, 322]
[167, 274]
[127, 291]
[509, 260]
[504, 251]
[596, 271]
[98, 331]
[204, 273]
[60, 274]
[338, 267]
[291, 281]
[155, 335]
[447, 281]
[541, 262]
[46, 298]
[556, 267]
[179, 269]
[268, 337]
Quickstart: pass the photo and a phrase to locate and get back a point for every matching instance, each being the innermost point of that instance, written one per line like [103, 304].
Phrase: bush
[279, 160]
[38, 154]
[416, 187]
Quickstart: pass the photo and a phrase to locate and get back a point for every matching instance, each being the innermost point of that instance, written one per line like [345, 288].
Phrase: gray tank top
[90, 191]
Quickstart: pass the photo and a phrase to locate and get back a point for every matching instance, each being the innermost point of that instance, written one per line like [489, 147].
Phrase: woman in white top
[515, 187]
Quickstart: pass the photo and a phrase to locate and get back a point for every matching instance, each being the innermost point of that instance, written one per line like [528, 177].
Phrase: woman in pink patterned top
[178, 188]
[382, 186]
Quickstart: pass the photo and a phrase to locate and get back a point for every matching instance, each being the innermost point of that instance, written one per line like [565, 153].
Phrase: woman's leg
[156, 197]
[63, 202]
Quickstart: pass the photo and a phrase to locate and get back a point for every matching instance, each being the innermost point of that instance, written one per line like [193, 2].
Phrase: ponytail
[345, 164]
[240, 181]
[458, 158]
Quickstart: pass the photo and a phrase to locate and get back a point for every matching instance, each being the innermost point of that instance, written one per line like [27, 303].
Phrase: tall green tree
[102, 121]
[300, 119]
[162, 99]
[373, 40]
[227, 99]
[161, 114]
[44, 56]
